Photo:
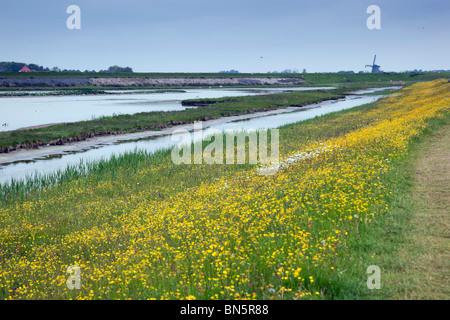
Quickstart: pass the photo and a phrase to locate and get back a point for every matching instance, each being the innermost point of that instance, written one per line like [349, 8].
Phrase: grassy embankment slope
[311, 79]
[141, 227]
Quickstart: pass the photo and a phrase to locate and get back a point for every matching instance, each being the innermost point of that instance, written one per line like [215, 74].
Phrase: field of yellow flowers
[155, 230]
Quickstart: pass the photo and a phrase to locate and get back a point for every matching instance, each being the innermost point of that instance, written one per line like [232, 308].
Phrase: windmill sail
[375, 68]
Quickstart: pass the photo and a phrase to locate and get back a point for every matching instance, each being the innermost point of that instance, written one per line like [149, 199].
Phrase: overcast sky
[214, 35]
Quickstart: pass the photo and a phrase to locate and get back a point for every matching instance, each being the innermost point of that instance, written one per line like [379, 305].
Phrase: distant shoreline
[139, 82]
[79, 92]
[15, 81]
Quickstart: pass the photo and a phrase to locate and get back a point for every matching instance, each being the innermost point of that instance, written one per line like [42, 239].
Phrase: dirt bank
[142, 82]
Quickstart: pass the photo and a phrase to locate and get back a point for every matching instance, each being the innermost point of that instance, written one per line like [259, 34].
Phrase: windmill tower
[375, 68]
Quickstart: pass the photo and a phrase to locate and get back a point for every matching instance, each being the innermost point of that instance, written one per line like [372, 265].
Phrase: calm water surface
[20, 170]
[28, 111]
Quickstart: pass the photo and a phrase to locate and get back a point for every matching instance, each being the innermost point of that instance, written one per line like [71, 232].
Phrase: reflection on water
[45, 166]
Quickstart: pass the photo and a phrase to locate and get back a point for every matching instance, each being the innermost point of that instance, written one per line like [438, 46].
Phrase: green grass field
[140, 227]
[312, 79]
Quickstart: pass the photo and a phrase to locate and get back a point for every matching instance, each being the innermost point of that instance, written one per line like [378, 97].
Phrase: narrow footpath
[426, 256]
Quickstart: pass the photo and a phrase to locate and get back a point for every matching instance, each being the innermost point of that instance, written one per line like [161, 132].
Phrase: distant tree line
[288, 71]
[115, 69]
[16, 66]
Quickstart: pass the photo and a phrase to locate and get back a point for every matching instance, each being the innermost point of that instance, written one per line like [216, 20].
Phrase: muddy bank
[63, 141]
[202, 103]
[142, 82]
[31, 82]
[127, 82]
[38, 150]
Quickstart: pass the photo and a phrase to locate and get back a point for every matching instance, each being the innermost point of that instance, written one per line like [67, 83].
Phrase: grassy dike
[141, 227]
[341, 80]
[311, 78]
[411, 266]
[216, 108]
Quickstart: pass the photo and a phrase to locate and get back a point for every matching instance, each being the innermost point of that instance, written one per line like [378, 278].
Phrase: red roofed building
[25, 69]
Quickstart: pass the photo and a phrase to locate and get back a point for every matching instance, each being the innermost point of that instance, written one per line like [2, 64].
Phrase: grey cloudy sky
[214, 35]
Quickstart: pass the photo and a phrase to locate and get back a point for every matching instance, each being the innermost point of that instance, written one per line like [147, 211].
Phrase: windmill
[375, 68]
